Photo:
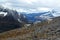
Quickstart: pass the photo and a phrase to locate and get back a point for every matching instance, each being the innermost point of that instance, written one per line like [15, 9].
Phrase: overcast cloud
[30, 5]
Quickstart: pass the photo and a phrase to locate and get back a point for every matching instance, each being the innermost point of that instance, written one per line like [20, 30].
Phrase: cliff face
[48, 30]
[9, 21]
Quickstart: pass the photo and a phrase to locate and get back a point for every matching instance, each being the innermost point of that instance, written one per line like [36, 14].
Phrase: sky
[31, 5]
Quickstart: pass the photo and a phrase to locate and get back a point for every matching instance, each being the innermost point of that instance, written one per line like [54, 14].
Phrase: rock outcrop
[39, 31]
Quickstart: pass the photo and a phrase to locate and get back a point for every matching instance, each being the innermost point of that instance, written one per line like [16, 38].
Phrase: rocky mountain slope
[47, 30]
[8, 19]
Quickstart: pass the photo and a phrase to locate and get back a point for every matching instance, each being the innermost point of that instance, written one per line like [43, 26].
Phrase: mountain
[34, 17]
[13, 19]
[8, 19]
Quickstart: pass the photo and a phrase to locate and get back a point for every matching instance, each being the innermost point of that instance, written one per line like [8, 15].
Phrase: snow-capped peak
[3, 14]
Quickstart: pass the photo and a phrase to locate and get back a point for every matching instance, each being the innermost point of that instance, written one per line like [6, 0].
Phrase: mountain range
[33, 17]
[26, 17]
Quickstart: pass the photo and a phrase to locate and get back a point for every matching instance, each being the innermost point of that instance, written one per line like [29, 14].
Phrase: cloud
[3, 0]
[43, 9]
[33, 3]
[7, 5]
[30, 4]
[22, 10]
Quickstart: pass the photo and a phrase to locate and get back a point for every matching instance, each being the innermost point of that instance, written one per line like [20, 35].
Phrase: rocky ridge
[47, 30]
